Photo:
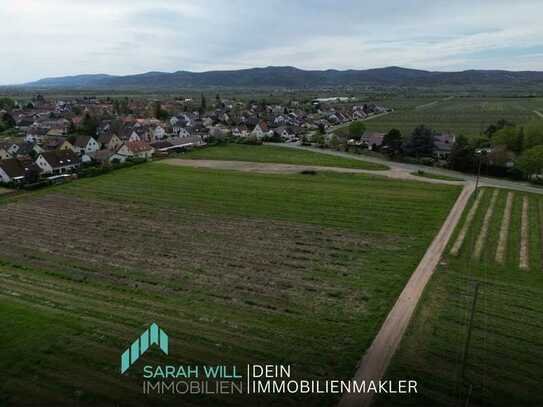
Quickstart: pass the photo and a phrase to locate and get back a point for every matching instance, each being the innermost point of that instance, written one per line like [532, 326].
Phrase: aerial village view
[271, 203]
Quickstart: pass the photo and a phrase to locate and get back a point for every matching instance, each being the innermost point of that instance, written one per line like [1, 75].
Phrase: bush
[427, 161]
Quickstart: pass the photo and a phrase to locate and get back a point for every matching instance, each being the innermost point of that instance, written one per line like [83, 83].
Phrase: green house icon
[152, 336]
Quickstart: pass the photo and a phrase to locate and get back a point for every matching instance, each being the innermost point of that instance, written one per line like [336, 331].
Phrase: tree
[89, 125]
[462, 156]
[8, 121]
[531, 161]
[321, 128]
[7, 103]
[421, 142]
[334, 142]
[356, 129]
[510, 137]
[392, 142]
[203, 104]
[318, 139]
[500, 124]
[158, 112]
[533, 134]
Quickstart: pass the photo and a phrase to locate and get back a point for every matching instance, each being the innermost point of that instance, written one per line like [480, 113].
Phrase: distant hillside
[290, 77]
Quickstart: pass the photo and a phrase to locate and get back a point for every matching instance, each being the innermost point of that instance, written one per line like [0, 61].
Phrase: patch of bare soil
[481, 239]
[469, 219]
[504, 229]
[524, 260]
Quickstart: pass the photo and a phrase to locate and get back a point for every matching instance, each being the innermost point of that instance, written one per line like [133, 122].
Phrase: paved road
[537, 112]
[409, 168]
[375, 361]
[346, 124]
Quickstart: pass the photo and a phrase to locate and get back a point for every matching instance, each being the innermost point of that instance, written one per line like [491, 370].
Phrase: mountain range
[290, 77]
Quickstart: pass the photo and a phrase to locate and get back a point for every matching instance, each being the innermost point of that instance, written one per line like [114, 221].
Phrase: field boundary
[375, 361]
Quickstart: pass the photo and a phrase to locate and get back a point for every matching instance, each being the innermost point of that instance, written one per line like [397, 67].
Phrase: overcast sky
[44, 38]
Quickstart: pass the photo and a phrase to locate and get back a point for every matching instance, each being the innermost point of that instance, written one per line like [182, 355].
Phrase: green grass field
[477, 337]
[273, 154]
[236, 267]
[461, 115]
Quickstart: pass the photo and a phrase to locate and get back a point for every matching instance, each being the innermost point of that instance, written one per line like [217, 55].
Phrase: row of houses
[443, 143]
[57, 156]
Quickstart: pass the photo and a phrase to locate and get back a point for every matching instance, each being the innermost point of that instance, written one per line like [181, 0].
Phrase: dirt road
[291, 168]
[374, 363]
[397, 166]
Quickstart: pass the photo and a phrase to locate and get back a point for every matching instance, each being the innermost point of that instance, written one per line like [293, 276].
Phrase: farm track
[469, 220]
[398, 167]
[292, 169]
[481, 239]
[375, 361]
[504, 229]
[524, 259]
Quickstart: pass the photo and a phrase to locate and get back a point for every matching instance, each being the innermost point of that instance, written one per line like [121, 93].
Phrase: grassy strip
[504, 229]
[430, 175]
[280, 155]
[467, 223]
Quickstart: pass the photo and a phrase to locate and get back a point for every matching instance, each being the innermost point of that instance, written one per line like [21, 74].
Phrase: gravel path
[374, 363]
[409, 168]
[291, 168]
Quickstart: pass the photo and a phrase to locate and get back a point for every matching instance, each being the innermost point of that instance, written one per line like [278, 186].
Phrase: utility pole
[479, 153]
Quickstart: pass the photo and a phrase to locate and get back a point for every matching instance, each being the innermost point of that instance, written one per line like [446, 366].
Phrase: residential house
[58, 143]
[372, 139]
[110, 141]
[140, 149]
[443, 144]
[107, 156]
[11, 170]
[4, 154]
[86, 145]
[58, 162]
[158, 133]
[260, 130]
[240, 131]
[27, 150]
[35, 134]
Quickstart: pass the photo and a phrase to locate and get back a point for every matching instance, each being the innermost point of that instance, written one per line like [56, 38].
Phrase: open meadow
[236, 267]
[456, 114]
[477, 337]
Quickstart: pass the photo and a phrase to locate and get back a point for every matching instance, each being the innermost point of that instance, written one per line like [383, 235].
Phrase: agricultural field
[461, 115]
[236, 267]
[477, 337]
[273, 154]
